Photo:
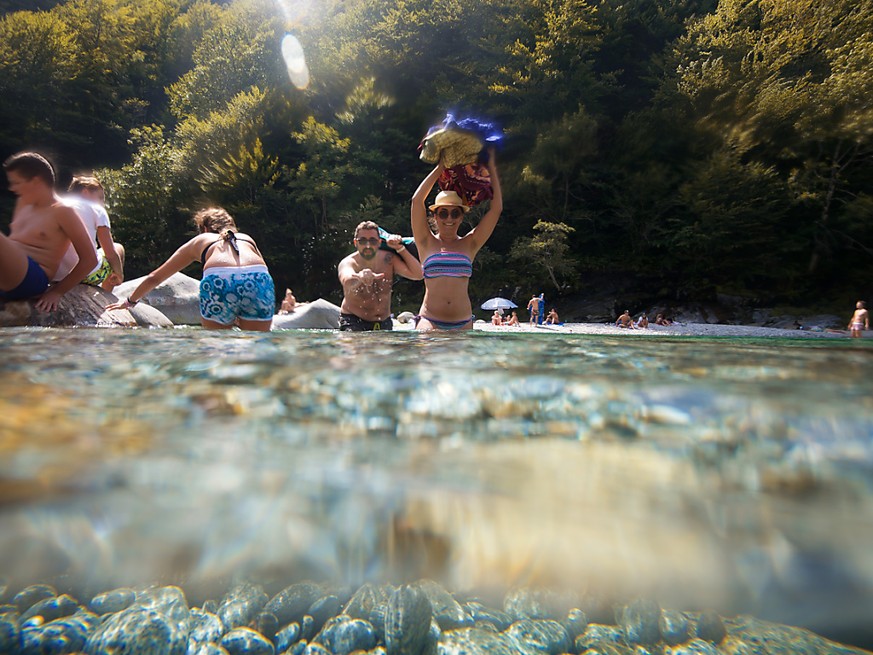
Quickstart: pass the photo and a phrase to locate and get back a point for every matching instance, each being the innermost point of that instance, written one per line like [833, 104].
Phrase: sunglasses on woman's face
[445, 213]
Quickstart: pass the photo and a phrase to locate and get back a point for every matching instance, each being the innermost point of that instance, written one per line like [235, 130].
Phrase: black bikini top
[231, 239]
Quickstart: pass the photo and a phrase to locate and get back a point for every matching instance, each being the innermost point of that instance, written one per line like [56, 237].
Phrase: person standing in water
[860, 320]
[367, 277]
[447, 258]
[236, 289]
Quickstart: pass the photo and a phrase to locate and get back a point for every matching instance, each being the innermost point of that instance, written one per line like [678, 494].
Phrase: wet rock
[693, 647]
[407, 621]
[137, 631]
[710, 627]
[640, 622]
[241, 605]
[315, 649]
[480, 613]
[307, 627]
[575, 623]
[287, 636]
[267, 624]
[473, 641]
[206, 649]
[540, 636]
[245, 641]
[365, 599]
[342, 635]
[10, 633]
[65, 635]
[323, 609]
[596, 635]
[528, 603]
[609, 648]
[177, 298]
[169, 602]
[51, 608]
[206, 628]
[290, 604]
[446, 610]
[299, 648]
[210, 606]
[113, 601]
[33, 594]
[674, 627]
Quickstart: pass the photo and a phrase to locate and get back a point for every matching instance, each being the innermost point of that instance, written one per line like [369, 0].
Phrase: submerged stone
[407, 621]
[245, 641]
[33, 594]
[293, 602]
[137, 631]
[110, 602]
[343, 635]
[540, 636]
[240, 606]
[640, 622]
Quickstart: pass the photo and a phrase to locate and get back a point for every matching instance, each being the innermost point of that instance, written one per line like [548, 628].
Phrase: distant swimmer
[860, 320]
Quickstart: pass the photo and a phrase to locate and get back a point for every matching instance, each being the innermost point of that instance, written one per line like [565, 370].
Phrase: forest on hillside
[688, 147]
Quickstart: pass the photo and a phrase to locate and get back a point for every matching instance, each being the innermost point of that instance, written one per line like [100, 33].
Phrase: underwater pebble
[51, 608]
[65, 635]
[596, 634]
[113, 601]
[674, 627]
[316, 649]
[407, 621]
[290, 604]
[267, 624]
[710, 627]
[10, 633]
[480, 613]
[446, 610]
[33, 594]
[640, 621]
[241, 605]
[169, 602]
[137, 630]
[366, 598]
[540, 636]
[205, 628]
[473, 641]
[323, 609]
[206, 649]
[287, 636]
[575, 623]
[343, 635]
[245, 641]
[693, 647]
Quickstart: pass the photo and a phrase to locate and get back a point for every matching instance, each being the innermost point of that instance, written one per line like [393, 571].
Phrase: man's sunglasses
[445, 213]
[369, 242]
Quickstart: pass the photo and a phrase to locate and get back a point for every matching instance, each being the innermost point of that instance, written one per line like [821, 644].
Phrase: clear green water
[724, 473]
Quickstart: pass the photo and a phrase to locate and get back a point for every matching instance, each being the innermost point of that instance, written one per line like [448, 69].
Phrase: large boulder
[81, 306]
[318, 314]
[177, 298]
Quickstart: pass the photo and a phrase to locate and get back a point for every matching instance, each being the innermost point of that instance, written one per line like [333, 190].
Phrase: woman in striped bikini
[447, 259]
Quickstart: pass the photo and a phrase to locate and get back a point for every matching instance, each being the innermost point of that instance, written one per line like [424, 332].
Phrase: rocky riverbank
[416, 619]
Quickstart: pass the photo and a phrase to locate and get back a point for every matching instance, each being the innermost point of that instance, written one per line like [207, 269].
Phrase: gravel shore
[677, 329]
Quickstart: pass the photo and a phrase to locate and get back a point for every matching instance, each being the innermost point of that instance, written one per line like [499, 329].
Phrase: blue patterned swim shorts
[228, 293]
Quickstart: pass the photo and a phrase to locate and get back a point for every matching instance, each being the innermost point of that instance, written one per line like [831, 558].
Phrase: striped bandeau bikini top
[447, 264]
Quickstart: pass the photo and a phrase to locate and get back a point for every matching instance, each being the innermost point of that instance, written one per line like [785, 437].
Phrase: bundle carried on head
[459, 145]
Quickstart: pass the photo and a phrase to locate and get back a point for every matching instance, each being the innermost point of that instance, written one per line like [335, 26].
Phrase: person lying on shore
[236, 289]
[42, 229]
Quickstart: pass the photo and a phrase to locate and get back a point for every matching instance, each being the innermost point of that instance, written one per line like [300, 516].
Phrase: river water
[733, 474]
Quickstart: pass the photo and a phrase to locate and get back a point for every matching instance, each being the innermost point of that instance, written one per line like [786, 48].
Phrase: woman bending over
[446, 258]
[236, 289]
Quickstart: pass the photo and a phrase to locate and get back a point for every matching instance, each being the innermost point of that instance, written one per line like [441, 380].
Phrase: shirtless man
[41, 230]
[533, 306]
[367, 276]
[860, 320]
[625, 321]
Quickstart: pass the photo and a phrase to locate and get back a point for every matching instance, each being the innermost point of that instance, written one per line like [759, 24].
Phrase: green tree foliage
[547, 252]
[788, 85]
[694, 144]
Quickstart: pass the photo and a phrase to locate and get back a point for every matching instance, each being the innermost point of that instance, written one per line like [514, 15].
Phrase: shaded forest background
[679, 148]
